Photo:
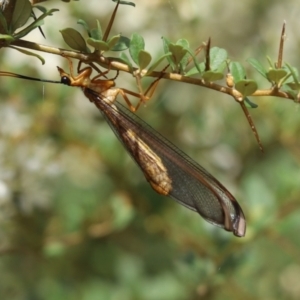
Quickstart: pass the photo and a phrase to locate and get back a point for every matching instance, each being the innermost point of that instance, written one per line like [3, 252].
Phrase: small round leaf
[122, 44]
[113, 41]
[74, 39]
[276, 75]
[246, 87]
[144, 59]
[212, 76]
[99, 45]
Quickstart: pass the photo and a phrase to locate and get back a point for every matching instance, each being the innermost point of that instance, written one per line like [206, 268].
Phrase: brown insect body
[168, 170]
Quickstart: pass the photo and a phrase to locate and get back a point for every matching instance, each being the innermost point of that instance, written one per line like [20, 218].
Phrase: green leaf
[26, 52]
[158, 61]
[28, 29]
[292, 89]
[196, 65]
[122, 44]
[292, 92]
[217, 58]
[292, 82]
[3, 22]
[166, 44]
[183, 62]
[276, 75]
[98, 45]
[178, 53]
[222, 67]
[74, 39]
[293, 86]
[287, 78]
[212, 76]
[96, 33]
[144, 59]
[250, 103]
[21, 14]
[246, 87]
[294, 72]
[137, 44]
[99, 30]
[198, 69]
[237, 71]
[38, 22]
[113, 41]
[272, 66]
[40, 8]
[183, 42]
[86, 27]
[257, 66]
[124, 2]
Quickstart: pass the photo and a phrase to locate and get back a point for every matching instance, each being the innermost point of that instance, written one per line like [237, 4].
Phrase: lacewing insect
[169, 171]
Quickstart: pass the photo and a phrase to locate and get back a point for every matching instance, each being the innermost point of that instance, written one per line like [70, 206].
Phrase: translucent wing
[169, 170]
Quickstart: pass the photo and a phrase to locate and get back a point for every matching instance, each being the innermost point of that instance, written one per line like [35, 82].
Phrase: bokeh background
[77, 218]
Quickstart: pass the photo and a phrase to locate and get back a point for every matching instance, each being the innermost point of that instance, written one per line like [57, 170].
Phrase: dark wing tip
[239, 226]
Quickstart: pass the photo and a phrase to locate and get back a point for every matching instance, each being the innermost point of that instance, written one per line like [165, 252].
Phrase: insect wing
[169, 170]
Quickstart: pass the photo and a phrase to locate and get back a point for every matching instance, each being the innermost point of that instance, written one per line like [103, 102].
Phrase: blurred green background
[77, 218]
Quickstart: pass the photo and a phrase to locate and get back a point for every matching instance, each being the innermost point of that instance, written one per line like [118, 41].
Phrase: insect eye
[65, 80]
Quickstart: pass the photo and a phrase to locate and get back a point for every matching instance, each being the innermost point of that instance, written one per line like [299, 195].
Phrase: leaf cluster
[213, 69]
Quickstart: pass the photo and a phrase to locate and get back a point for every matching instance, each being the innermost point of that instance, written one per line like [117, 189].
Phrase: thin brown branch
[111, 21]
[252, 125]
[86, 58]
[207, 55]
[281, 46]
[113, 64]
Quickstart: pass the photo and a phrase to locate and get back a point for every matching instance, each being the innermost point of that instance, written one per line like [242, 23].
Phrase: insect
[169, 171]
